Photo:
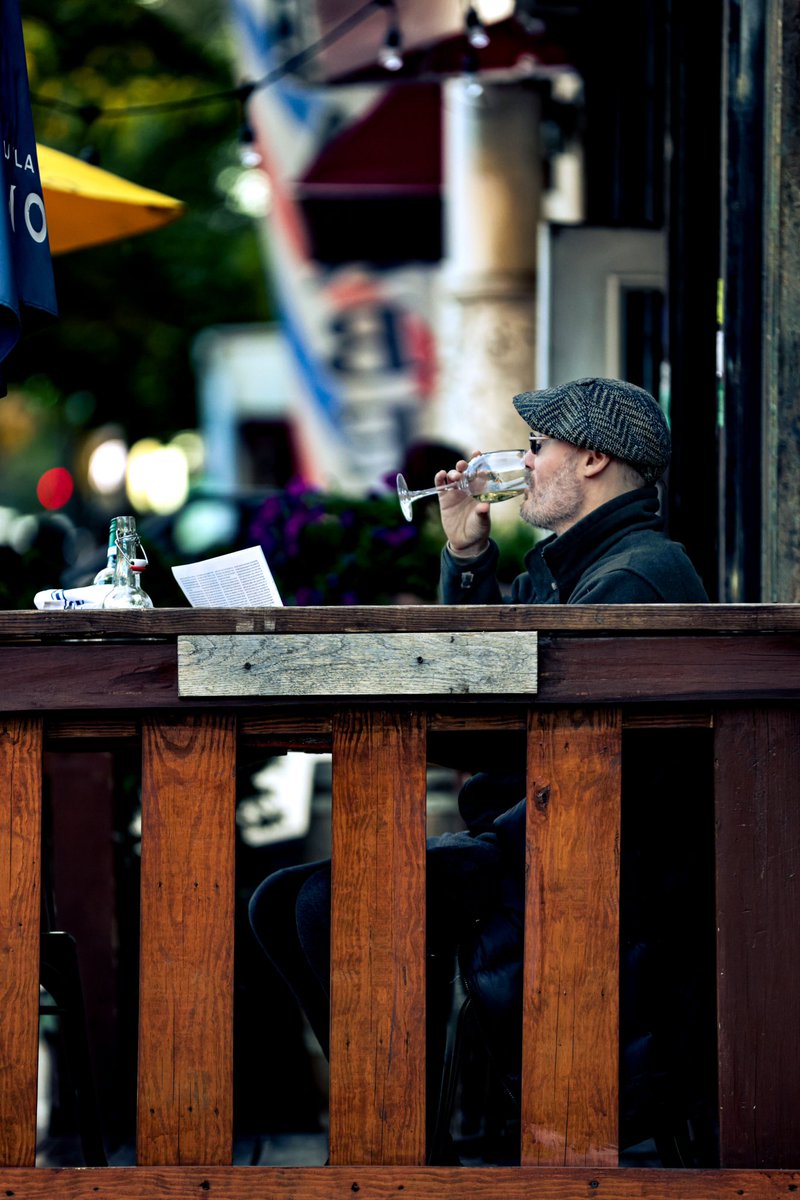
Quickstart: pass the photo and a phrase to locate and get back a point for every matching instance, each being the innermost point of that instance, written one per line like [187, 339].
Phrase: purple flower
[294, 526]
[397, 537]
[270, 508]
[268, 542]
[297, 487]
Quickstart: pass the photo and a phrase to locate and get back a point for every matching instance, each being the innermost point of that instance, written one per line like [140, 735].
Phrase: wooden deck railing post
[757, 763]
[185, 1095]
[377, 1087]
[571, 992]
[20, 924]
[192, 681]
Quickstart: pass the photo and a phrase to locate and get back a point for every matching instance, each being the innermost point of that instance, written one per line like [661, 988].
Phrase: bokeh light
[157, 477]
[107, 464]
[205, 525]
[192, 444]
[137, 471]
[54, 488]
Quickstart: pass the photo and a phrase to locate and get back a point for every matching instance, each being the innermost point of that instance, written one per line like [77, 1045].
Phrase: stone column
[487, 311]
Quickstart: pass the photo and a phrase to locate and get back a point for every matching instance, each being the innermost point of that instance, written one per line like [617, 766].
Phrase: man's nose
[528, 459]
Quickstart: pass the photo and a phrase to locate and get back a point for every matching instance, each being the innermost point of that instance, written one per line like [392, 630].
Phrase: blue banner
[27, 289]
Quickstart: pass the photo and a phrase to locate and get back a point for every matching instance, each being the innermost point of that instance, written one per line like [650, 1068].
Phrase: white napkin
[81, 597]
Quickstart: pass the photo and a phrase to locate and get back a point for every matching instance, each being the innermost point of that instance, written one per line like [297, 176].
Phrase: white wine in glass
[496, 475]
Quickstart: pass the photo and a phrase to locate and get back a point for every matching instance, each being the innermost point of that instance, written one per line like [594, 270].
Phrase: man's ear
[594, 462]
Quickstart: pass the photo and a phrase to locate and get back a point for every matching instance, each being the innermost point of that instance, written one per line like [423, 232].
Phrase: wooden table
[372, 685]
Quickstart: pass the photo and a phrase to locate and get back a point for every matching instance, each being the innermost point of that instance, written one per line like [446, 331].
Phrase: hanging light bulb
[249, 155]
[473, 88]
[390, 54]
[476, 32]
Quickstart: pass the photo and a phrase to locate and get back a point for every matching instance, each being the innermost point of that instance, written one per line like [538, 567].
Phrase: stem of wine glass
[407, 497]
[434, 491]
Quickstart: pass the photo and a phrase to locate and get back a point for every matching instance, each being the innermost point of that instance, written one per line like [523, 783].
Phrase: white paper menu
[238, 580]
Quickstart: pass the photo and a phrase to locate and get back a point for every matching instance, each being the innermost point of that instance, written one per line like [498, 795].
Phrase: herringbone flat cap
[603, 414]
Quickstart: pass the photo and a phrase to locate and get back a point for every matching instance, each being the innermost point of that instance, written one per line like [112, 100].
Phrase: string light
[249, 154]
[390, 55]
[477, 36]
[473, 86]
[89, 113]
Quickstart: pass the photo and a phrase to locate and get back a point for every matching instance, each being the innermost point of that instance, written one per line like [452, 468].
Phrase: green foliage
[329, 549]
[130, 310]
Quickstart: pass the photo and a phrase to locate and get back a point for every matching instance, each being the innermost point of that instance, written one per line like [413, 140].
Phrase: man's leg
[290, 916]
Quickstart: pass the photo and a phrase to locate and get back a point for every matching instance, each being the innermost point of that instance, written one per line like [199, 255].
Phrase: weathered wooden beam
[571, 670]
[624, 620]
[358, 664]
[581, 670]
[90, 676]
[394, 1183]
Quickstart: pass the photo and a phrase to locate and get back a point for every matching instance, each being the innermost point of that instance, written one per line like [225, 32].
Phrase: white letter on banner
[41, 234]
[11, 191]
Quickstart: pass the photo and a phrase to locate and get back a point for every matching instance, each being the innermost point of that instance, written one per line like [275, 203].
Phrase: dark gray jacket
[618, 554]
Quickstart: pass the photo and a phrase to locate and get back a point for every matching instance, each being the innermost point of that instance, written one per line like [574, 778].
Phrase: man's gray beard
[559, 504]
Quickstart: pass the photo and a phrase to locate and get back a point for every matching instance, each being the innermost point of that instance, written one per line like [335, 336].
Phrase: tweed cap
[617, 418]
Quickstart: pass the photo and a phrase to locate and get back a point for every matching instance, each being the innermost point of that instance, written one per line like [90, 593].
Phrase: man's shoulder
[649, 562]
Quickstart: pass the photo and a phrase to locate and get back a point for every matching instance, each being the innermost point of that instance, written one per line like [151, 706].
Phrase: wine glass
[496, 475]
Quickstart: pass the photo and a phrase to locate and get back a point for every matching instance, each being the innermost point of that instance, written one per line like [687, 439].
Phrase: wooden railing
[373, 686]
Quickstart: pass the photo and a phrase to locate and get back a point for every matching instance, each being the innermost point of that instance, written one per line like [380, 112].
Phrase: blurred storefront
[473, 200]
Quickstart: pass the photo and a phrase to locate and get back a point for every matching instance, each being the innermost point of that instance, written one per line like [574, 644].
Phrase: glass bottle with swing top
[127, 591]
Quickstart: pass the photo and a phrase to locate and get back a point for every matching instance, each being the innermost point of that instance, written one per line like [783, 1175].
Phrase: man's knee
[313, 917]
[265, 907]
[272, 908]
[464, 874]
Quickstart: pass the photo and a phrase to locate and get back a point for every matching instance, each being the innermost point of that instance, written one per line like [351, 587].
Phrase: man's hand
[466, 523]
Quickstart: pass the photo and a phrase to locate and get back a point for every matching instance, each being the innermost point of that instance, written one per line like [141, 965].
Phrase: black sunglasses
[536, 440]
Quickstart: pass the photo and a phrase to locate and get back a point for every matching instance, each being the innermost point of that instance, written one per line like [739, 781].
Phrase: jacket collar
[569, 555]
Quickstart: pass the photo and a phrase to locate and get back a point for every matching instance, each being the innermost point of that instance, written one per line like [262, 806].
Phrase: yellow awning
[87, 206]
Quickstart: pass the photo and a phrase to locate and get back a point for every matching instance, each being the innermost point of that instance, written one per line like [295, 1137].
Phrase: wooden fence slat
[186, 970]
[571, 992]
[757, 764]
[377, 1089]
[20, 923]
